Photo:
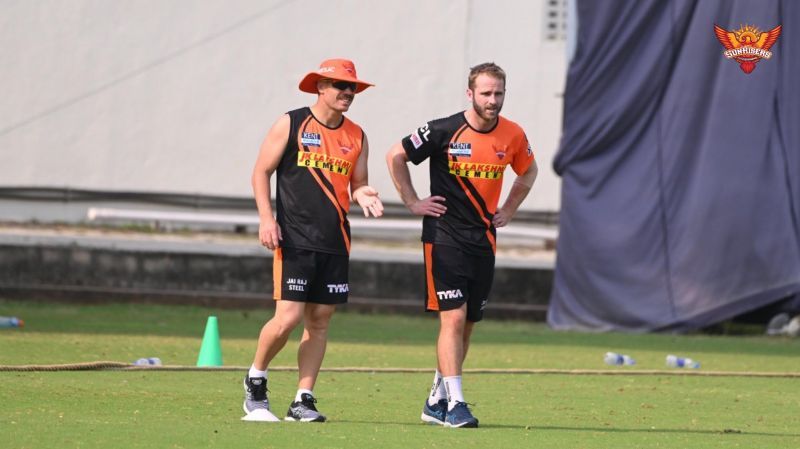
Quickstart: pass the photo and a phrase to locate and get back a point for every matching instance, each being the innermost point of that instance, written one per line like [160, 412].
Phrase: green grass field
[155, 409]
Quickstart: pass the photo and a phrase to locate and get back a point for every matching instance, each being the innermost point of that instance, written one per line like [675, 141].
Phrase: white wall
[176, 96]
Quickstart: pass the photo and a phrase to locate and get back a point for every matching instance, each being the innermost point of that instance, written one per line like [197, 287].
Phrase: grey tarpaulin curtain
[680, 173]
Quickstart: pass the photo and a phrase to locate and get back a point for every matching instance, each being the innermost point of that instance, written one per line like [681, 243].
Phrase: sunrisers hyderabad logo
[343, 146]
[748, 45]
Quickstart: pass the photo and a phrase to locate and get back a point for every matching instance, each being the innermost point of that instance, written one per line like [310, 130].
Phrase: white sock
[300, 392]
[255, 372]
[438, 391]
[454, 394]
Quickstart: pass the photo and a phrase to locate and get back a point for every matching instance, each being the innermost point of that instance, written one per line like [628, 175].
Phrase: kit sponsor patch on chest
[460, 149]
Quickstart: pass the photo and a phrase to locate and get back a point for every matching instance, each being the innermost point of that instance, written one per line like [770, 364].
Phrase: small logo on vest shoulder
[420, 136]
[416, 140]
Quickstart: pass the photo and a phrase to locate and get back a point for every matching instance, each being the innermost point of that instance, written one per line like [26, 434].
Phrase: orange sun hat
[336, 69]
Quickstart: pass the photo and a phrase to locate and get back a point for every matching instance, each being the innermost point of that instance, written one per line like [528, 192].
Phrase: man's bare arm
[269, 156]
[397, 161]
[519, 190]
[362, 193]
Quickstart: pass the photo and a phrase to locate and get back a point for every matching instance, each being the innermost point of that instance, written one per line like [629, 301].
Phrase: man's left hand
[501, 218]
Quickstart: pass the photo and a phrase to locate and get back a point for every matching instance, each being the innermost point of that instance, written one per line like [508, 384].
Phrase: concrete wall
[176, 96]
[108, 272]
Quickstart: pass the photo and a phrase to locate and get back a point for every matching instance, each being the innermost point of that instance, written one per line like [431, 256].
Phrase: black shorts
[310, 276]
[453, 277]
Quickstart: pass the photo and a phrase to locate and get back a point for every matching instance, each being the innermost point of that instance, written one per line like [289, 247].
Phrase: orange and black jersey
[466, 167]
[313, 182]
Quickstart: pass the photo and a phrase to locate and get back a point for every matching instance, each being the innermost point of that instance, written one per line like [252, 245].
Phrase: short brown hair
[488, 68]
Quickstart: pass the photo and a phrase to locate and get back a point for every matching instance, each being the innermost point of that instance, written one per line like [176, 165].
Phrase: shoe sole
[466, 425]
[293, 419]
[430, 419]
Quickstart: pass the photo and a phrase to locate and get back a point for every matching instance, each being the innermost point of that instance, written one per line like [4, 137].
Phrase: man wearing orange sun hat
[320, 157]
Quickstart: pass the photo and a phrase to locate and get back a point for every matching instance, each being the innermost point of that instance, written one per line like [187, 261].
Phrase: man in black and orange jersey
[468, 153]
[320, 157]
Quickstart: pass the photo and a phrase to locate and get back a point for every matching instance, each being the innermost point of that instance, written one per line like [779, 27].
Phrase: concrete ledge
[411, 225]
[226, 274]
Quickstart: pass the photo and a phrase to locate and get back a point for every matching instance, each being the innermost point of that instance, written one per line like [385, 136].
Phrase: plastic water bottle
[674, 361]
[150, 361]
[11, 321]
[612, 358]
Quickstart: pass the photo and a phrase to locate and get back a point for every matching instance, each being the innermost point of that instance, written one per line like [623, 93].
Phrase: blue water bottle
[674, 361]
[149, 361]
[612, 358]
[11, 321]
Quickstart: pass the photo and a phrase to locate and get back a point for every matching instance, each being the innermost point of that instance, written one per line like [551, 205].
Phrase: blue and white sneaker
[434, 414]
[460, 416]
[255, 394]
[304, 410]
[256, 403]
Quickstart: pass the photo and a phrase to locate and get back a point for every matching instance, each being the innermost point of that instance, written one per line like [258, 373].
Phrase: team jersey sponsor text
[476, 170]
[324, 162]
[460, 149]
[311, 139]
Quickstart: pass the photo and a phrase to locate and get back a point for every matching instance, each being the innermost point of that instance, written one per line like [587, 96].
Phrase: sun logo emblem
[344, 147]
[748, 45]
[501, 151]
